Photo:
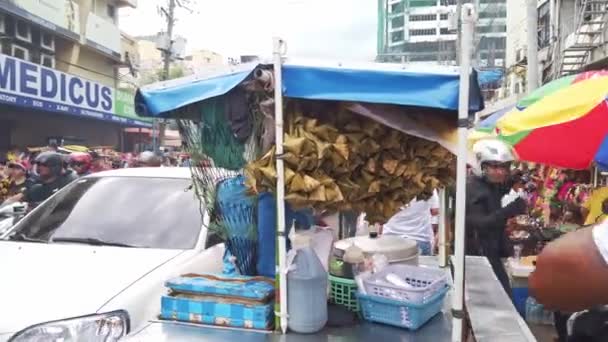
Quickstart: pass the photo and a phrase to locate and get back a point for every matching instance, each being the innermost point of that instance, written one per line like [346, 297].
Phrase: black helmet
[52, 160]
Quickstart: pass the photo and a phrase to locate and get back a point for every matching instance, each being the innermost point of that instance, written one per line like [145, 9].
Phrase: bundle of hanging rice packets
[348, 162]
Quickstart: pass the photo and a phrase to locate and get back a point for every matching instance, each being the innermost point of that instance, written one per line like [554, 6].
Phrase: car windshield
[129, 211]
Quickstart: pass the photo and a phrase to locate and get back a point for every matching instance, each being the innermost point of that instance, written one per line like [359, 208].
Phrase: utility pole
[458, 30]
[532, 40]
[169, 15]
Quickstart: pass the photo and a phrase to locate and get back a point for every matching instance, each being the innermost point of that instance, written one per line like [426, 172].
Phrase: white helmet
[491, 150]
[148, 158]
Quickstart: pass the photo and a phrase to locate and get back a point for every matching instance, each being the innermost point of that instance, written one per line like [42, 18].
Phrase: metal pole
[160, 126]
[595, 176]
[468, 26]
[551, 19]
[458, 28]
[532, 41]
[442, 238]
[278, 117]
[167, 53]
[154, 140]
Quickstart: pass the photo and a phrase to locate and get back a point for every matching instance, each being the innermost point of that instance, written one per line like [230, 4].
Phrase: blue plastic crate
[400, 314]
[209, 311]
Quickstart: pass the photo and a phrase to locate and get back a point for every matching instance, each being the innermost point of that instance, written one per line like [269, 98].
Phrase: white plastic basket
[426, 283]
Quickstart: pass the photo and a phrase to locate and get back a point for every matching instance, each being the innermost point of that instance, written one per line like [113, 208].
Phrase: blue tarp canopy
[433, 87]
[490, 76]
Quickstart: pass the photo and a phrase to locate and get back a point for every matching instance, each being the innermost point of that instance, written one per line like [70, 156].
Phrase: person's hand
[512, 225]
[570, 274]
[515, 208]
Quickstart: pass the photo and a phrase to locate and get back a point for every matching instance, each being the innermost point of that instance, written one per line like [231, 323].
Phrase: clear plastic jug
[306, 290]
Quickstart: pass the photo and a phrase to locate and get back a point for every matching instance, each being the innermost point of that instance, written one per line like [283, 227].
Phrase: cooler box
[519, 273]
[233, 301]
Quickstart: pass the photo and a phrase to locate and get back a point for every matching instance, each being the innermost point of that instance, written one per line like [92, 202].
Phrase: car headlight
[107, 327]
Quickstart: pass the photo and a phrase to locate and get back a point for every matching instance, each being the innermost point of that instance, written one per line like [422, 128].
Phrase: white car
[89, 264]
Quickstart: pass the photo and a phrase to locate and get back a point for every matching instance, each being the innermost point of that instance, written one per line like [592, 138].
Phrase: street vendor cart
[331, 107]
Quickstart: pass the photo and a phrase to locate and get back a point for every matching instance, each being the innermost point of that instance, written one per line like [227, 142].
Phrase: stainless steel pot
[397, 250]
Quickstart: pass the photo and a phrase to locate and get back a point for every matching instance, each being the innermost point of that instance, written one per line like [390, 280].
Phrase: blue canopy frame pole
[468, 25]
[278, 45]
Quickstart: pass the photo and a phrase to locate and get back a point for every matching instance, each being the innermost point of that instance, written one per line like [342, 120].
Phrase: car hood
[45, 282]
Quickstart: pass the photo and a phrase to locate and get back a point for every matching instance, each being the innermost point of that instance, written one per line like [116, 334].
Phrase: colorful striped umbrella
[563, 124]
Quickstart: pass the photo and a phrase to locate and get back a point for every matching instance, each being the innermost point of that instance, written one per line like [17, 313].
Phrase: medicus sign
[31, 85]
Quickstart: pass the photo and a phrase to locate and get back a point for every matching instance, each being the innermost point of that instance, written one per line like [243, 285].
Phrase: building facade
[201, 60]
[571, 39]
[59, 73]
[424, 31]
[151, 61]
[421, 31]
[579, 32]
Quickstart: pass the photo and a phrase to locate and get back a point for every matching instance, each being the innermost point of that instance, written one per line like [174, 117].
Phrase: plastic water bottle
[532, 311]
[547, 317]
[306, 290]
[529, 313]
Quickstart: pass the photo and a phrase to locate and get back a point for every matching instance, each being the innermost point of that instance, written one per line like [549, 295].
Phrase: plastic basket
[425, 282]
[344, 292]
[400, 314]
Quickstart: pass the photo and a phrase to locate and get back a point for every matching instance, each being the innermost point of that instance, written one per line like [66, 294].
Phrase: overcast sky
[335, 29]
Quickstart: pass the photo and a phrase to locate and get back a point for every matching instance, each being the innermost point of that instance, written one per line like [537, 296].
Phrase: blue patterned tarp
[230, 286]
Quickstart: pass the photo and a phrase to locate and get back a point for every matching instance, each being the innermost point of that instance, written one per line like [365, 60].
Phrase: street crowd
[34, 177]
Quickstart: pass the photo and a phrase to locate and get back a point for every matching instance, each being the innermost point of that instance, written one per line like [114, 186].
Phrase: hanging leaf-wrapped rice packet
[342, 150]
[310, 184]
[325, 132]
[318, 195]
[269, 172]
[390, 165]
[294, 144]
[289, 174]
[297, 184]
[333, 193]
[291, 159]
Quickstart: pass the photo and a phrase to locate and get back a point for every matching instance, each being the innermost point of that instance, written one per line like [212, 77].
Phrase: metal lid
[395, 248]
[354, 255]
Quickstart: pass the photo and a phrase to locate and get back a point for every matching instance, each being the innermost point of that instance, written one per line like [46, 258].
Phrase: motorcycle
[10, 214]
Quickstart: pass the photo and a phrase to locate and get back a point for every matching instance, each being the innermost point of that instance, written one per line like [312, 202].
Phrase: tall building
[419, 31]
[59, 73]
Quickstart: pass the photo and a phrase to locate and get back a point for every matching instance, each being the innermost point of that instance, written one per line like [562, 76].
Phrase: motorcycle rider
[52, 176]
[486, 219]
[81, 163]
[19, 181]
[148, 159]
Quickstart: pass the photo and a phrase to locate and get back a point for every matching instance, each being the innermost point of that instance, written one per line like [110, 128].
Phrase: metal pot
[397, 250]
[338, 267]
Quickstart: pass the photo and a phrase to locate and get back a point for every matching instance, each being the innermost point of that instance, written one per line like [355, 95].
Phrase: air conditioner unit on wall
[20, 52]
[47, 41]
[23, 31]
[47, 60]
